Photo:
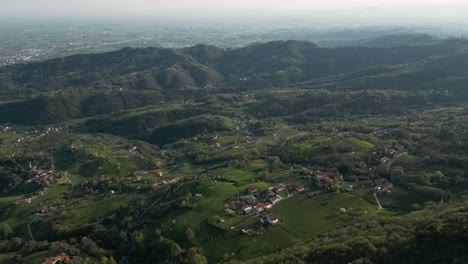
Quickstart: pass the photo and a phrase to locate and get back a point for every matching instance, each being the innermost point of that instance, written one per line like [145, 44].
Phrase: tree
[193, 257]
[5, 231]
[166, 249]
[189, 233]
[138, 242]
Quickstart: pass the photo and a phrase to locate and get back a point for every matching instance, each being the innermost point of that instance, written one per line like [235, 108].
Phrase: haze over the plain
[354, 11]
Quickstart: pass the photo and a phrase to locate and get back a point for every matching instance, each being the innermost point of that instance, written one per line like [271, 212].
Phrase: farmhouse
[300, 189]
[43, 210]
[384, 160]
[132, 148]
[156, 172]
[171, 181]
[279, 187]
[22, 201]
[382, 189]
[271, 219]
[62, 258]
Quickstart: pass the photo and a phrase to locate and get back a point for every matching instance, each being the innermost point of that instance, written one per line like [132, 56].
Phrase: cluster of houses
[45, 177]
[396, 152]
[253, 201]
[268, 219]
[328, 180]
[264, 220]
[382, 186]
[245, 141]
[5, 128]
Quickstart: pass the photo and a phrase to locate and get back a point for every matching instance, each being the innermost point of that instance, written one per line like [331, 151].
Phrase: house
[22, 201]
[399, 148]
[328, 183]
[111, 191]
[271, 219]
[156, 173]
[246, 231]
[262, 206]
[62, 173]
[132, 148]
[324, 174]
[258, 161]
[300, 189]
[217, 145]
[44, 210]
[349, 188]
[381, 189]
[198, 195]
[62, 258]
[138, 177]
[249, 199]
[247, 209]
[279, 187]
[274, 199]
[384, 160]
[253, 189]
[171, 181]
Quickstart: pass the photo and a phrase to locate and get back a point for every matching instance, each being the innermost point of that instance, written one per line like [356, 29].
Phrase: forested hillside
[278, 152]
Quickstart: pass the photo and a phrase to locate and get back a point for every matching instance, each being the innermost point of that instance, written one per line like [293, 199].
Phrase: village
[257, 203]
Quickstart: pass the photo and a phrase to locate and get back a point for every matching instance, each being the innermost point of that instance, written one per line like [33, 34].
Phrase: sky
[446, 10]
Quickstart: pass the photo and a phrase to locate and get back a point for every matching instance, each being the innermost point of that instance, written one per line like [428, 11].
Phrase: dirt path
[29, 229]
[379, 206]
[71, 183]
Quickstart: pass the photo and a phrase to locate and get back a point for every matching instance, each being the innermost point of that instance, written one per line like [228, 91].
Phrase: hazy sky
[45, 8]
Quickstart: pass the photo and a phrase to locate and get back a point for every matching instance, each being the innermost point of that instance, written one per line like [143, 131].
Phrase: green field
[306, 217]
[240, 177]
[402, 199]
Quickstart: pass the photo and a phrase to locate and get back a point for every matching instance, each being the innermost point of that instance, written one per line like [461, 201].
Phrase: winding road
[29, 229]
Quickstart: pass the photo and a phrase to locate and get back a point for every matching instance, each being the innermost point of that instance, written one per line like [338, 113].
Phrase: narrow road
[29, 229]
[298, 135]
[44, 191]
[379, 206]
[71, 183]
